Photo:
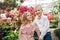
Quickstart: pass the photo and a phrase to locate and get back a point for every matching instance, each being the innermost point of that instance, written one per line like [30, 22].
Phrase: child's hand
[40, 38]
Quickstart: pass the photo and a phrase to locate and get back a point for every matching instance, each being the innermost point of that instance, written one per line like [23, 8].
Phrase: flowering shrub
[8, 26]
[53, 20]
[22, 9]
[31, 9]
[50, 16]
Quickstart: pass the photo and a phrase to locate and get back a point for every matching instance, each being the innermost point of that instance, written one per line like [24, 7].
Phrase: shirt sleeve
[45, 28]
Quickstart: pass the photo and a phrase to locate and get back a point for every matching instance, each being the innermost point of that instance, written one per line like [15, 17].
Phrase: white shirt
[43, 25]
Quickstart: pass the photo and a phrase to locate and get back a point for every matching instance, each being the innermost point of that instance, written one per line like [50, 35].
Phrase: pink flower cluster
[23, 9]
[50, 16]
[31, 9]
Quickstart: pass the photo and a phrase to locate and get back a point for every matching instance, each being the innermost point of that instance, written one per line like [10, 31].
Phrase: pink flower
[11, 13]
[50, 16]
[22, 9]
[9, 20]
[31, 9]
[7, 14]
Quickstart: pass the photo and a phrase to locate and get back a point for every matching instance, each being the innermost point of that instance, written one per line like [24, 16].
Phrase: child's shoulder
[45, 17]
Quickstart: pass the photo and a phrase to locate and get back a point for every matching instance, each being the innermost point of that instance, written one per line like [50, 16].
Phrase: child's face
[29, 16]
[38, 11]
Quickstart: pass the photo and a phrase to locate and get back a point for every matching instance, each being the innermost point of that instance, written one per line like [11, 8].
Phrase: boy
[43, 23]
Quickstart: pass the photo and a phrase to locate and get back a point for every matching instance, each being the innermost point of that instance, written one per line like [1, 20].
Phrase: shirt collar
[40, 17]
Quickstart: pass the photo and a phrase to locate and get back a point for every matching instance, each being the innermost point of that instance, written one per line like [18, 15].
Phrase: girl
[27, 28]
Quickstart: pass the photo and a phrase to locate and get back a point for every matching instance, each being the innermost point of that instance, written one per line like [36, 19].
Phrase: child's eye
[38, 10]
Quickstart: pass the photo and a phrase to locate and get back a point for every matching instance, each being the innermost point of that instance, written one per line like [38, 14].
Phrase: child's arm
[37, 30]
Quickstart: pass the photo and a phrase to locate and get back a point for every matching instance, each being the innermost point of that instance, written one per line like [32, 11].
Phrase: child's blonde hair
[39, 7]
[24, 18]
